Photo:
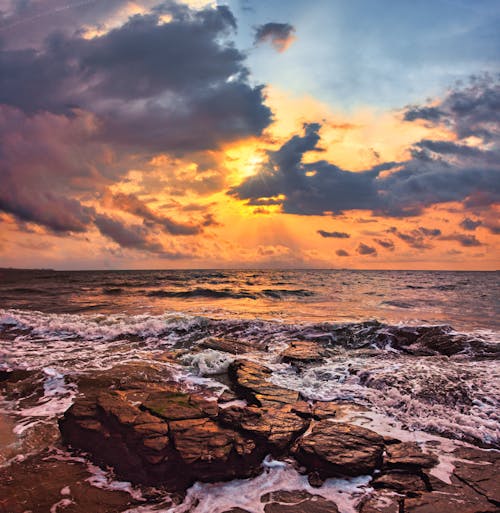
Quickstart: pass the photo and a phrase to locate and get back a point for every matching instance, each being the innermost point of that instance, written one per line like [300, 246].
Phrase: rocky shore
[153, 431]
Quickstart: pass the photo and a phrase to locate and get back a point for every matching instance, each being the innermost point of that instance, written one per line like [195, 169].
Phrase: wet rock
[401, 482]
[479, 470]
[456, 499]
[229, 345]
[277, 425]
[174, 405]
[382, 502]
[408, 456]
[337, 449]
[297, 501]
[170, 439]
[250, 380]
[315, 480]
[303, 352]
[23, 385]
[35, 485]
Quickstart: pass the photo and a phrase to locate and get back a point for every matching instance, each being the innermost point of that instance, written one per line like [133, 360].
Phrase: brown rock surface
[251, 381]
[401, 482]
[174, 447]
[35, 485]
[297, 501]
[303, 352]
[382, 502]
[229, 345]
[408, 456]
[460, 500]
[479, 469]
[277, 424]
[338, 449]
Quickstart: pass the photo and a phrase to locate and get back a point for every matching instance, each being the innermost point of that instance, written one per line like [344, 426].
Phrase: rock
[172, 438]
[297, 502]
[35, 485]
[276, 424]
[479, 470]
[303, 352]
[212, 453]
[460, 500]
[315, 480]
[336, 449]
[251, 381]
[401, 482]
[408, 456]
[173, 405]
[382, 502]
[229, 346]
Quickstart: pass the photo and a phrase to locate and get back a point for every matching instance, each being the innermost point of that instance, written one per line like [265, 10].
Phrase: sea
[72, 323]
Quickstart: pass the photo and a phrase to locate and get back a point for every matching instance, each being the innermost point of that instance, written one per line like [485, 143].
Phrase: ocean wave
[203, 292]
[428, 377]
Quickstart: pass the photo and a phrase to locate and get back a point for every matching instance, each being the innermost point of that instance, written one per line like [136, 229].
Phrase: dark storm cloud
[417, 238]
[48, 163]
[280, 35]
[438, 172]
[77, 114]
[472, 110]
[341, 253]
[364, 249]
[425, 113]
[470, 224]
[385, 243]
[178, 85]
[333, 235]
[132, 236]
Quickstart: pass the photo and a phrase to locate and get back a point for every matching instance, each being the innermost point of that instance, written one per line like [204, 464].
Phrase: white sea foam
[246, 493]
[209, 362]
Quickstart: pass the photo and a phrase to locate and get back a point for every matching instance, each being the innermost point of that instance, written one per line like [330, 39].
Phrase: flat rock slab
[36, 484]
[303, 352]
[401, 482]
[297, 502]
[382, 502]
[277, 423]
[230, 346]
[461, 501]
[480, 470]
[408, 456]
[251, 381]
[336, 449]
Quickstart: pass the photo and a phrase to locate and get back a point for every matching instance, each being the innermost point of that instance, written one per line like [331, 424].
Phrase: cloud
[437, 172]
[467, 241]
[132, 204]
[341, 253]
[470, 111]
[280, 35]
[77, 114]
[334, 235]
[417, 238]
[470, 225]
[363, 249]
[132, 236]
[385, 243]
[172, 86]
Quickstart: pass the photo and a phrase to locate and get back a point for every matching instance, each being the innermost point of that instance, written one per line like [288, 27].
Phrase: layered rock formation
[154, 431]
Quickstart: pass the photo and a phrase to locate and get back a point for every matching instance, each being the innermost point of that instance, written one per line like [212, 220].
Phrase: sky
[250, 134]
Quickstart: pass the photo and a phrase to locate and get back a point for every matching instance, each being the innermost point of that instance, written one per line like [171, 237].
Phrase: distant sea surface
[467, 301]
